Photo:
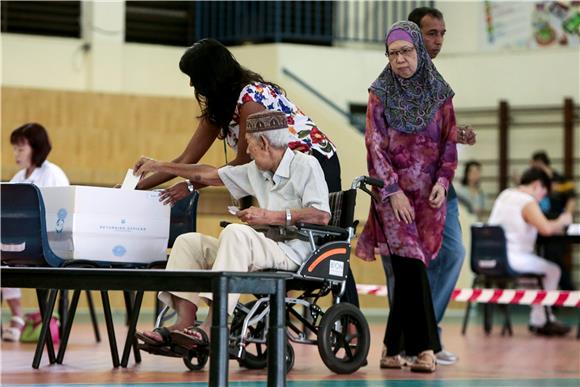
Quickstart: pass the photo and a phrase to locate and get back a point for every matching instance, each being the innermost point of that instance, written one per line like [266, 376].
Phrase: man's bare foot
[158, 336]
[153, 335]
[190, 338]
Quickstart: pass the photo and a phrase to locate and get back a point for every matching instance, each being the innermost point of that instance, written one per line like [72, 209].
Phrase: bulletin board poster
[531, 24]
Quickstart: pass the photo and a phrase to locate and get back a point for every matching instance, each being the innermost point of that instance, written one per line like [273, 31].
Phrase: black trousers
[331, 169]
[411, 326]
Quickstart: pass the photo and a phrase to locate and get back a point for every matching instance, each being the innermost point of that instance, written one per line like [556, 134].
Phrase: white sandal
[13, 332]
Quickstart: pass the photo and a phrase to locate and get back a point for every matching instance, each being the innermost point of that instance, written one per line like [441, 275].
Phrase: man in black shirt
[562, 198]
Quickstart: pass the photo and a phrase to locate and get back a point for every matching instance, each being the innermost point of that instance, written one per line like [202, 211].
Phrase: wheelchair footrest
[163, 350]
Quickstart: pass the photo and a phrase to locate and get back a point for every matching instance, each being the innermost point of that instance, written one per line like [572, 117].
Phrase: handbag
[33, 326]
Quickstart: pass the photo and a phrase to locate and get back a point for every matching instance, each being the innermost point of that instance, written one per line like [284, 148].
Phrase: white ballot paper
[573, 229]
[233, 210]
[130, 181]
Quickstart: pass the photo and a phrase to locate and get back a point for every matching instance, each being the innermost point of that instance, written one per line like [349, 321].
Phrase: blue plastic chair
[24, 237]
[25, 241]
[489, 263]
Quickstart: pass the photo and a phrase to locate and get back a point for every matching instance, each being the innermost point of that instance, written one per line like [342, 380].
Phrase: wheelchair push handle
[373, 181]
[361, 181]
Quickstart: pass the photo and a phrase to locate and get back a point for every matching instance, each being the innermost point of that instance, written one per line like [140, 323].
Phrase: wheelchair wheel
[255, 357]
[195, 360]
[343, 338]
[255, 361]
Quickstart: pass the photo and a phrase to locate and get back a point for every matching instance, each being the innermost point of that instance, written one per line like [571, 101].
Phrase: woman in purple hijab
[410, 128]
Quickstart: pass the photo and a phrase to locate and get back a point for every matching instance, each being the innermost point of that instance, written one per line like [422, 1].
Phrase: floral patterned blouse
[411, 163]
[304, 135]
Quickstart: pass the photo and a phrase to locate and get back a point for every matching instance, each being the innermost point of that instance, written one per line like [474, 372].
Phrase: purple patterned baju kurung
[412, 163]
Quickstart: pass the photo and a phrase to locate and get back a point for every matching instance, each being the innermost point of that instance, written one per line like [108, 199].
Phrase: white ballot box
[106, 224]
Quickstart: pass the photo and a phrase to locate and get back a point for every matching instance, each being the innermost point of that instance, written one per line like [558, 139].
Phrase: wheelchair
[341, 332]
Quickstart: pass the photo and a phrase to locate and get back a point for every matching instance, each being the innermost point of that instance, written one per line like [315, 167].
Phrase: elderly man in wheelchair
[294, 206]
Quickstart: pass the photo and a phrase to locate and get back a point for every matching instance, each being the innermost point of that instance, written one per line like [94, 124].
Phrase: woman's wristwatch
[190, 186]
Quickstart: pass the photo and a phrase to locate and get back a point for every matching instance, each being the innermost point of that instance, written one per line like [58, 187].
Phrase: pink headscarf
[410, 104]
[399, 34]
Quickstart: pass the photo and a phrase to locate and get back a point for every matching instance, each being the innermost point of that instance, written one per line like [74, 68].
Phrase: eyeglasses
[404, 51]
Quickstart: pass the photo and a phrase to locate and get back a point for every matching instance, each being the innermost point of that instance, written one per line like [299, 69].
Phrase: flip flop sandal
[198, 338]
[163, 332]
[13, 333]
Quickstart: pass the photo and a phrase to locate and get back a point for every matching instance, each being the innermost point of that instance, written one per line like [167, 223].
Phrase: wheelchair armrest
[275, 232]
[261, 228]
[322, 230]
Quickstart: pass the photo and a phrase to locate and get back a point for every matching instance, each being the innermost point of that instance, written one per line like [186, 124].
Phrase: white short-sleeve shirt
[47, 175]
[507, 212]
[297, 183]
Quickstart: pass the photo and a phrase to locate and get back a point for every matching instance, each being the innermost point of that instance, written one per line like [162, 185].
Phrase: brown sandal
[425, 362]
[390, 362]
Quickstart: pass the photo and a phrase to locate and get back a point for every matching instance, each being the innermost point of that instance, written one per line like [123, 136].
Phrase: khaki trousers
[191, 251]
[239, 248]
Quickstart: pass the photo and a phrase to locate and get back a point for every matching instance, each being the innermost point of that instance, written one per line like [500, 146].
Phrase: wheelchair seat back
[329, 261]
[342, 208]
[183, 217]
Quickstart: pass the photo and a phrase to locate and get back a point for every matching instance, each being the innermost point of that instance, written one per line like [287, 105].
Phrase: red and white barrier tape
[373, 290]
[499, 296]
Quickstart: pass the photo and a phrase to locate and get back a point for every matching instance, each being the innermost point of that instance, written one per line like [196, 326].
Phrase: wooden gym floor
[521, 360]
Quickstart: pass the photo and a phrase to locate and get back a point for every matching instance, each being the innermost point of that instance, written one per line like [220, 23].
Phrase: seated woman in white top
[518, 212]
[31, 147]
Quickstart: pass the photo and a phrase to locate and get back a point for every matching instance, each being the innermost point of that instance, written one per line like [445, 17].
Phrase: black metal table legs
[277, 337]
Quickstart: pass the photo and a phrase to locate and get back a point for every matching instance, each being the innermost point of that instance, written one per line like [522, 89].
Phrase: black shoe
[558, 328]
[539, 330]
[551, 328]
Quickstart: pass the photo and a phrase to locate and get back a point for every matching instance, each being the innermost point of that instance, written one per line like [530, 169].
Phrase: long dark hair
[218, 80]
[468, 166]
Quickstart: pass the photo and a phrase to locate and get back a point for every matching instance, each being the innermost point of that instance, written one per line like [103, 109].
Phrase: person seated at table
[289, 187]
[31, 146]
[518, 212]
[562, 198]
